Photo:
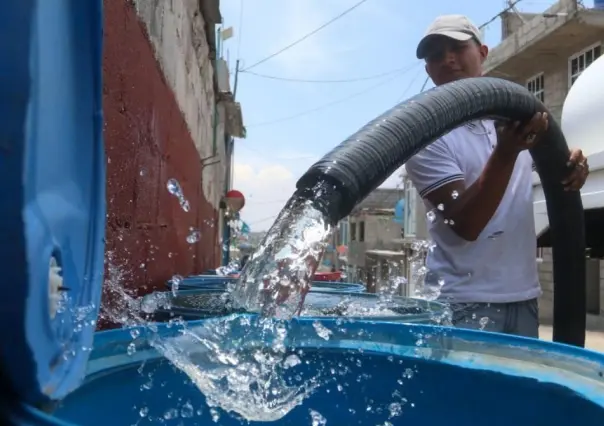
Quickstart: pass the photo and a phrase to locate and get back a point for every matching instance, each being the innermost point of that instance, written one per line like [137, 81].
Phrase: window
[536, 87]
[362, 231]
[353, 231]
[580, 61]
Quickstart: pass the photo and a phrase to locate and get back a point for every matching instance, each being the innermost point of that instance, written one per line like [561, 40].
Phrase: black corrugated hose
[349, 172]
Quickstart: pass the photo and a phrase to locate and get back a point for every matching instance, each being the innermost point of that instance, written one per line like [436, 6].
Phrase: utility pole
[230, 154]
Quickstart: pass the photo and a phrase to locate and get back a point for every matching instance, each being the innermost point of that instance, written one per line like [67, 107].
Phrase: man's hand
[512, 138]
[579, 173]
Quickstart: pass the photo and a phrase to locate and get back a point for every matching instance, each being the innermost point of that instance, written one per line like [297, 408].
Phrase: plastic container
[206, 303]
[220, 283]
[52, 201]
[328, 276]
[369, 373]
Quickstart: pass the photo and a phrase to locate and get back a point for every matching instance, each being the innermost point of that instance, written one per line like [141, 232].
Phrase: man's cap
[457, 27]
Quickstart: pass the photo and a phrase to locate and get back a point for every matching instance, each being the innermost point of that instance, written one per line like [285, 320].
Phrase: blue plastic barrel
[369, 373]
[220, 283]
[52, 197]
[208, 303]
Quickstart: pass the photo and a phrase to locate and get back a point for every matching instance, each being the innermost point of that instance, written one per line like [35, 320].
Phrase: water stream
[244, 375]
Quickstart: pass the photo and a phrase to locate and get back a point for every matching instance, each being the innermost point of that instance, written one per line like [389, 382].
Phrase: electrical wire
[301, 80]
[404, 94]
[329, 104]
[316, 30]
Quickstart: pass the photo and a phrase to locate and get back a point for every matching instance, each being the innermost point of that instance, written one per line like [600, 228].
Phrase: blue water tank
[209, 303]
[598, 4]
[221, 283]
[368, 373]
[52, 197]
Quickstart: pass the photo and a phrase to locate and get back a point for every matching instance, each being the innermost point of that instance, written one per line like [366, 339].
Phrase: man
[477, 181]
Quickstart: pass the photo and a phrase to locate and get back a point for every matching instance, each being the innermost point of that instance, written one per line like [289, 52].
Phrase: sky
[291, 124]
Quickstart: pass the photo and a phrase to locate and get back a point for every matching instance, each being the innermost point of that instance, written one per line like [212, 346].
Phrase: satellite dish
[583, 110]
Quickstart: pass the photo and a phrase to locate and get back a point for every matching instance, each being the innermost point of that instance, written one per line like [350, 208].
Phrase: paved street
[594, 341]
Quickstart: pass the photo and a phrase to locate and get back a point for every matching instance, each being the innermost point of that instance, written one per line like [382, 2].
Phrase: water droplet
[176, 281]
[484, 321]
[317, 419]
[441, 282]
[131, 350]
[187, 410]
[215, 415]
[322, 331]
[171, 413]
[143, 412]
[135, 332]
[291, 361]
[175, 189]
[440, 207]
[396, 409]
[431, 216]
[454, 195]
[194, 236]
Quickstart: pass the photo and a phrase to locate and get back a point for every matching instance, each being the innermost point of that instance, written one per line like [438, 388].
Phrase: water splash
[278, 275]
[240, 374]
[236, 371]
[425, 285]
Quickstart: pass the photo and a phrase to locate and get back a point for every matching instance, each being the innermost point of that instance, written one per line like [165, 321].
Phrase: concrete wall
[157, 123]
[176, 31]
[380, 231]
[555, 73]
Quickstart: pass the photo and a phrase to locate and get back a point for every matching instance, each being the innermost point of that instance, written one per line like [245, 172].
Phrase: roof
[381, 199]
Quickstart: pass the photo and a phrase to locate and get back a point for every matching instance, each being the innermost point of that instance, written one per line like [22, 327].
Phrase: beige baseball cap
[457, 27]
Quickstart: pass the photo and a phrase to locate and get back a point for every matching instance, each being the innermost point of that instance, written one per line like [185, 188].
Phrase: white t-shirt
[500, 266]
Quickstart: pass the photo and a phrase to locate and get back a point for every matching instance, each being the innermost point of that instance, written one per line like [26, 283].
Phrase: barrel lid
[52, 197]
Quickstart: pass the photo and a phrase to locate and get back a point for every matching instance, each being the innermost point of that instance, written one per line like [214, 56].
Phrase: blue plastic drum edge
[221, 282]
[579, 369]
[52, 203]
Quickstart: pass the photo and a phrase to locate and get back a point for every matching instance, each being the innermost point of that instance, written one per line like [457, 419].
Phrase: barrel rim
[576, 368]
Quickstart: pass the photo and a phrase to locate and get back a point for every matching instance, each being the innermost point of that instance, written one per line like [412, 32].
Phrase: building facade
[168, 115]
[371, 226]
[546, 53]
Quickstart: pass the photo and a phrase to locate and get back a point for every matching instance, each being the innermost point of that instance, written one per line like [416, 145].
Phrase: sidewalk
[594, 339]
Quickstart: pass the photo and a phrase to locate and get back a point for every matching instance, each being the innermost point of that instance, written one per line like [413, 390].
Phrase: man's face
[449, 60]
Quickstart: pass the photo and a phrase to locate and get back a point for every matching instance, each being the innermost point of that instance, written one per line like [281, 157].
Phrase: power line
[329, 104]
[316, 30]
[403, 96]
[301, 80]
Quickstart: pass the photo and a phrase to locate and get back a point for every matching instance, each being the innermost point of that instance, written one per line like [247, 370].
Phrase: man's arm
[469, 210]
[439, 179]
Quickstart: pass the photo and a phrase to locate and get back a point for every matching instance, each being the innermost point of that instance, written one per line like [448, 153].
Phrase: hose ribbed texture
[366, 159]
